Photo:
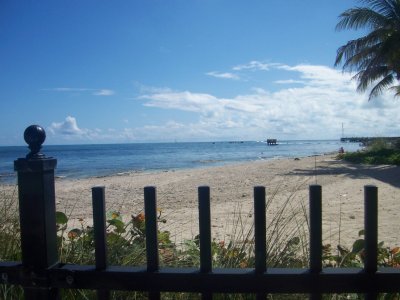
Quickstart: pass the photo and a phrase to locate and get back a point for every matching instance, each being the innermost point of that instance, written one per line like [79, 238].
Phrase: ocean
[80, 161]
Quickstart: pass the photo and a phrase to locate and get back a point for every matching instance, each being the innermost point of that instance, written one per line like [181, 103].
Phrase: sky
[126, 71]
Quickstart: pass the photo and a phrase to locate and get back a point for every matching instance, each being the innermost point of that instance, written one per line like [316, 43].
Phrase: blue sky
[180, 70]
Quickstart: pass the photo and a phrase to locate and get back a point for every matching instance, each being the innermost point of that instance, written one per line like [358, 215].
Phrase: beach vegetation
[355, 256]
[287, 244]
[376, 55]
[10, 242]
[378, 152]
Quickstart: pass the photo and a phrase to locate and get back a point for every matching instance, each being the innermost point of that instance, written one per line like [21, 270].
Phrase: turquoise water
[78, 161]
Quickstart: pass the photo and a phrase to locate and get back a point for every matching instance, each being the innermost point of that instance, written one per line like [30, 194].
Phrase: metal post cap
[35, 136]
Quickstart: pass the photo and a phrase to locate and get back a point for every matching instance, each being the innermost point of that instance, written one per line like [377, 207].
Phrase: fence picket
[205, 229]
[371, 233]
[371, 228]
[315, 228]
[205, 233]
[315, 195]
[260, 228]
[150, 208]
[100, 237]
[99, 227]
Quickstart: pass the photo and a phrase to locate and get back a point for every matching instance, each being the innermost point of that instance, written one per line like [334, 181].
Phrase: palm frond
[384, 7]
[367, 77]
[376, 56]
[357, 53]
[364, 45]
[396, 89]
[360, 17]
[385, 83]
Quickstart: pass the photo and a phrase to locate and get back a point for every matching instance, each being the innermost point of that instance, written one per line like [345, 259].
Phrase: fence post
[371, 227]
[260, 229]
[315, 234]
[315, 228]
[100, 234]
[260, 234]
[205, 234]
[37, 215]
[150, 210]
[371, 233]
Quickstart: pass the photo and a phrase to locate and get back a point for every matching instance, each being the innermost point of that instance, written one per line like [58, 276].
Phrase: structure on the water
[368, 140]
[271, 142]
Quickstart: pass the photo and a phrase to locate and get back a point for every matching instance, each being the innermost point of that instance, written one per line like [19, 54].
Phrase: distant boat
[272, 142]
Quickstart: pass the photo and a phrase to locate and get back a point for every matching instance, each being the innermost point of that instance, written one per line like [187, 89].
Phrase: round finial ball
[34, 135]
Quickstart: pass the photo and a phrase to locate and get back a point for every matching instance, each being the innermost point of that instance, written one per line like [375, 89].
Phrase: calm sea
[78, 161]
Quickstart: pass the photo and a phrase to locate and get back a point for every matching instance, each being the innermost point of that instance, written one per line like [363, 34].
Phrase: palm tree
[375, 56]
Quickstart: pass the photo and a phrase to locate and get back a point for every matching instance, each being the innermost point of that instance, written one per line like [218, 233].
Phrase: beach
[232, 196]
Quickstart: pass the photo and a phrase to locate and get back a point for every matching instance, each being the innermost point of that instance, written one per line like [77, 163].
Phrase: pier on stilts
[368, 140]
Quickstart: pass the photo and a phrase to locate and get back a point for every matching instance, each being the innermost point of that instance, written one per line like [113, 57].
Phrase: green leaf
[358, 246]
[164, 237]
[113, 215]
[116, 240]
[61, 218]
[119, 225]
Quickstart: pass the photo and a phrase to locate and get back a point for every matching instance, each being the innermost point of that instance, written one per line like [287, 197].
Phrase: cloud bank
[308, 102]
[316, 101]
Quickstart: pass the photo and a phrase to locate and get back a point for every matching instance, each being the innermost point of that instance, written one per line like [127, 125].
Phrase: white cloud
[289, 81]
[255, 66]
[316, 109]
[67, 127]
[226, 75]
[194, 102]
[95, 92]
[316, 75]
[69, 131]
[103, 93]
[67, 89]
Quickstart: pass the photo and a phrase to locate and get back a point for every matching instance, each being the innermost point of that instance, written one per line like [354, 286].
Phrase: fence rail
[42, 275]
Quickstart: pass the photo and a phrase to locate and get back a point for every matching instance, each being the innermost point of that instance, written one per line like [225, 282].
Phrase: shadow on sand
[384, 173]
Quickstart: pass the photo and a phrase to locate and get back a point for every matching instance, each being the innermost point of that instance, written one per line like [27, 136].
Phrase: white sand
[232, 192]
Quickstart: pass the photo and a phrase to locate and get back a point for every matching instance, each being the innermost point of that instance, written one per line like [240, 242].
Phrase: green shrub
[377, 145]
[373, 156]
[344, 257]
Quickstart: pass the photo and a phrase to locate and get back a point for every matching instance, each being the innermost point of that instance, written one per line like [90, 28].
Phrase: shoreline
[186, 169]
[78, 162]
[232, 196]
[166, 170]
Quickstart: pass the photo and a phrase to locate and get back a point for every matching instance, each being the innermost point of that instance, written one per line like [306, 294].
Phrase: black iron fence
[42, 275]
